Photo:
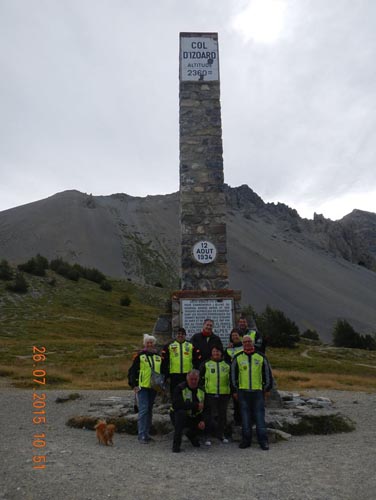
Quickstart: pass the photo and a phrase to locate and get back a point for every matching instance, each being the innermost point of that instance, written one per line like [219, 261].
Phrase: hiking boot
[264, 446]
[176, 449]
[244, 444]
[224, 441]
[207, 442]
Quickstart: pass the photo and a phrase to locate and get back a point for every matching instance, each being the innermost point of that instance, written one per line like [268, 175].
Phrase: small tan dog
[105, 432]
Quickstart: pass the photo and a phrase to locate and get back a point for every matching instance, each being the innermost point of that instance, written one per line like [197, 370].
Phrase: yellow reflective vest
[249, 371]
[232, 351]
[217, 377]
[188, 396]
[180, 354]
[144, 379]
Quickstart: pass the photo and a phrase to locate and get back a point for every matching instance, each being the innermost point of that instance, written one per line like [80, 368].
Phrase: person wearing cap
[243, 329]
[139, 378]
[251, 378]
[206, 340]
[215, 377]
[178, 358]
[187, 410]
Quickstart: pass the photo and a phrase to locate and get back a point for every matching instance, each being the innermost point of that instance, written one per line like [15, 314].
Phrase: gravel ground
[340, 466]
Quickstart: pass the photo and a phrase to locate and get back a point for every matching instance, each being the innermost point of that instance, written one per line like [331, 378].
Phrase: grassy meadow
[90, 339]
[88, 335]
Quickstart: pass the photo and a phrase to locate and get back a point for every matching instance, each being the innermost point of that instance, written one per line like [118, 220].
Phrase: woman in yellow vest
[215, 375]
[139, 378]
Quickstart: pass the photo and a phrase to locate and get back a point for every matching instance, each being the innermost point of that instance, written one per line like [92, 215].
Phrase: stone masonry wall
[202, 198]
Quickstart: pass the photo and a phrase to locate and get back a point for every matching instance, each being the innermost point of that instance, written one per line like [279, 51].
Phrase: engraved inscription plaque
[195, 311]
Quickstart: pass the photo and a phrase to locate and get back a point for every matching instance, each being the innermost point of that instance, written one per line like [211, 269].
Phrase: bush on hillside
[64, 269]
[368, 342]
[310, 334]
[276, 329]
[106, 286]
[19, 284]
[36, 266]
[125, 301]
[90, 273]
[344, 335]
[6, 272]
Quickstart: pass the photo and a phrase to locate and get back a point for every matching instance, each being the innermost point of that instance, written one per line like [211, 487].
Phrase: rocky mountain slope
[314, 270]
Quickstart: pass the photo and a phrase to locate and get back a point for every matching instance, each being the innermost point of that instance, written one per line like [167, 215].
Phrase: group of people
[203, 377]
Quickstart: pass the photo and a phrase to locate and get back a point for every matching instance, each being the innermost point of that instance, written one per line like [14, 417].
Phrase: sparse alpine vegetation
[90, 336]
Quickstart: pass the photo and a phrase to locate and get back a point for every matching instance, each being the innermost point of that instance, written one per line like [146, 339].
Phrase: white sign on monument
[199, 58]
[195, 311]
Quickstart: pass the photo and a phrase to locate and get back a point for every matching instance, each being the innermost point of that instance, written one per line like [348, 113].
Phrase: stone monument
[205, 289]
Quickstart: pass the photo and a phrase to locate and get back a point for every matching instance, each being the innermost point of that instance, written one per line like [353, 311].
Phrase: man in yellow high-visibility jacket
[178, 358]
[187, 410]
[251, 377]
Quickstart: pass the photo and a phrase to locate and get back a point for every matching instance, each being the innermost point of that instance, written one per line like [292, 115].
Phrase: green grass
[88, 335]
[324, 367]
[90, 339]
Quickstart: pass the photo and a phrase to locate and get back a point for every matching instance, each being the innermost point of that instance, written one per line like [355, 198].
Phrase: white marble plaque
[195, 311]
[198, 58]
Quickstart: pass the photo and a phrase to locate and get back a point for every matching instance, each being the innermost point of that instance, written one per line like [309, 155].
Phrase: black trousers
[215, 414]
[182, 421]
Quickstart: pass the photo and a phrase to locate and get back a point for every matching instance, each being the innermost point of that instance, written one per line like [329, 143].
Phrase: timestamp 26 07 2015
[39, 407]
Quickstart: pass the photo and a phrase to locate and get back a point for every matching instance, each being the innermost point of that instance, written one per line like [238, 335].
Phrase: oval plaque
[204, 252]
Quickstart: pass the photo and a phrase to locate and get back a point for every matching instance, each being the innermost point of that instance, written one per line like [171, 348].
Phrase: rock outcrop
[297, 415]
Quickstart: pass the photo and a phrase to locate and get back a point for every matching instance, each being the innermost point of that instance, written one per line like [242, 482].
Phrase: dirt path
[310, 467]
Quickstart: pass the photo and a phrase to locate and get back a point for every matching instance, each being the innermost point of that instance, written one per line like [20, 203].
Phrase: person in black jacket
[206, 340]
[187, 410]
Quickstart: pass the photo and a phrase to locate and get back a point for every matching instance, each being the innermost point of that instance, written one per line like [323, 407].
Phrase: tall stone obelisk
[202, 199]
[204, 273]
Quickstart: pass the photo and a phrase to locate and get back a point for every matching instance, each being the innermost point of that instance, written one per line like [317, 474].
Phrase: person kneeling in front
[187, 410]
[251, 377]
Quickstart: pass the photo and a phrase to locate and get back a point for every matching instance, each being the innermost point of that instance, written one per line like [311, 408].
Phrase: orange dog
[105, 432]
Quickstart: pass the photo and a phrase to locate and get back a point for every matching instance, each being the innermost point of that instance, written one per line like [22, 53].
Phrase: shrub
[36, 266]
[125, 301]
[19, 285]
[64, 269]
[89, 273]
[344, 335]
[310, 334]
[276, 329]
[106, 285]
[6, 272]
[368, 342]
[72, 274]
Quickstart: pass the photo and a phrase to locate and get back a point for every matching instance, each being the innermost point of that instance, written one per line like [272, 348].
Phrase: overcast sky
[89, 98]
